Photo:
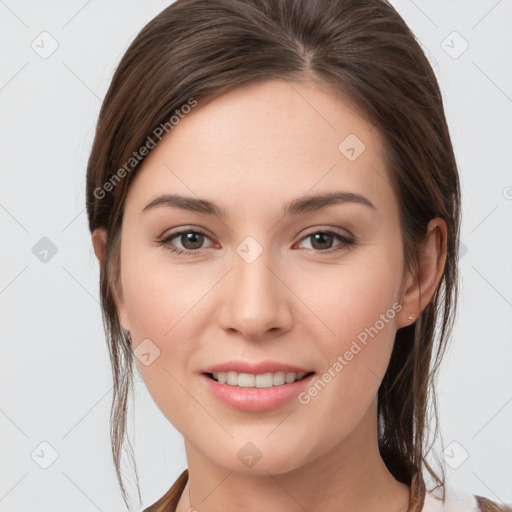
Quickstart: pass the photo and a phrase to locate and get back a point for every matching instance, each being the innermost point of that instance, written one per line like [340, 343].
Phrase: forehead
[267, 141]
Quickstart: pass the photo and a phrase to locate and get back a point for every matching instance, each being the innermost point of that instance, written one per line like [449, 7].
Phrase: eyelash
[346, 242]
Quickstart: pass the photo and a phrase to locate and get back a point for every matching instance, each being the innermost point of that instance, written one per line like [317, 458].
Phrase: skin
[291, 304]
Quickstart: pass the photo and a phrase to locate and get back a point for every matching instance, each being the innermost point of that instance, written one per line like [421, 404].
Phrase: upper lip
[262, 367]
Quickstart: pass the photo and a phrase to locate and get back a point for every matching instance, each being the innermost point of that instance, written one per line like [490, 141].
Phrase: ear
[99, 242]
[420, 288]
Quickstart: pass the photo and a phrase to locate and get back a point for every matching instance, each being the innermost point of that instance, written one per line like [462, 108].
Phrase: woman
[275, 205]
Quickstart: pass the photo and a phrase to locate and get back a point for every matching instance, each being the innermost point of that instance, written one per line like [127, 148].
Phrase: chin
[252, 458]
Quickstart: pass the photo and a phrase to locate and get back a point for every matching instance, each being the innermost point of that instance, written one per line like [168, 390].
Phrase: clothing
[420, 500]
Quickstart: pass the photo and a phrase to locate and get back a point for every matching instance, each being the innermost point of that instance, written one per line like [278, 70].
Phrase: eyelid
[187, 229]
[328, 229]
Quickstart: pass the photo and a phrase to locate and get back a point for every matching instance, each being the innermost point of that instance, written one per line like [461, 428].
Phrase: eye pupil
[189, 237]
[322, 237]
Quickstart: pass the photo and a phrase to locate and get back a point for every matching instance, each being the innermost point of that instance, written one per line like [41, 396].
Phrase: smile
[262, 380]
[253, 392]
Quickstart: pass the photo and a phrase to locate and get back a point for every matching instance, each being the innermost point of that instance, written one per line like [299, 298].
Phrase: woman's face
[265, 286]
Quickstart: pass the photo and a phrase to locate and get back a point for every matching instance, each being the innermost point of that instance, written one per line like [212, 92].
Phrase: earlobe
[431, 261]
[99, 241]
[121, 307]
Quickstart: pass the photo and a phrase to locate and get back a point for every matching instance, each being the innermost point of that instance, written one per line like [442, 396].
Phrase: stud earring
[410, 317]
[127, 335]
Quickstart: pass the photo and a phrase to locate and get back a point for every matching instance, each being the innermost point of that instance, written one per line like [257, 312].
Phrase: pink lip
[255, 399]
[255, 368]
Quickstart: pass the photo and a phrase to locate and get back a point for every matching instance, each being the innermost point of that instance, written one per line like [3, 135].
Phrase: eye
[322, 241]
[191, 239]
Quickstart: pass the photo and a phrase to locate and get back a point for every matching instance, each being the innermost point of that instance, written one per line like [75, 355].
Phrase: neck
[351, 476]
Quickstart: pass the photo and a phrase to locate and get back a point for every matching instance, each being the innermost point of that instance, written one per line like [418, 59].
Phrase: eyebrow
[297, 206]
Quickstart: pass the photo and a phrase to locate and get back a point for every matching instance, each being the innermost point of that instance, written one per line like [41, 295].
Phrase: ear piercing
[127, 335]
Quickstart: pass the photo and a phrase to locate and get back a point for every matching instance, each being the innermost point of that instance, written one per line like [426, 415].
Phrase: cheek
[156, 302]
[161, 294]
[163, 301]
[358, 308]
[350, 300]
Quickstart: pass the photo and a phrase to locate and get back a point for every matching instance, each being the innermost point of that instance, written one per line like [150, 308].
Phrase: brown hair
[361, 50]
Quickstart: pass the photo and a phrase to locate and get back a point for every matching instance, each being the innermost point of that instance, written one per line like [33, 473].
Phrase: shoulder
[458, 501]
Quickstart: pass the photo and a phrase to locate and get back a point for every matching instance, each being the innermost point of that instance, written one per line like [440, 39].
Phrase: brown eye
[322, 241]
[190, 240]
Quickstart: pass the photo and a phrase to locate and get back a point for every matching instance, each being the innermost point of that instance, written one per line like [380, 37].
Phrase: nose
[256, 301]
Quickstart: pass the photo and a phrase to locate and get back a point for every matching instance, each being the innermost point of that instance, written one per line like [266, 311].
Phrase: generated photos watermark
[343, 360]
[138, 156]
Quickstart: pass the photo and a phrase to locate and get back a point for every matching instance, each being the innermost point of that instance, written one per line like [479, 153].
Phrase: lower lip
[255, 399]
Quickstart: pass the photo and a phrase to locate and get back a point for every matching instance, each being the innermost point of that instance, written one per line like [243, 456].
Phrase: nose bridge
[256, 297]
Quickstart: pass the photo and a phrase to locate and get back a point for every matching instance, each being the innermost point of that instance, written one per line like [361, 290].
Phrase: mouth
[255, 393]
[258, 381]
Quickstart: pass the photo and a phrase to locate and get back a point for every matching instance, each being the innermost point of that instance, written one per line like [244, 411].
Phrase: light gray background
[56, 383]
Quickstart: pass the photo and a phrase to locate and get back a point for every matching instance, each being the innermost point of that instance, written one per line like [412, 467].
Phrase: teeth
[264, 380]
